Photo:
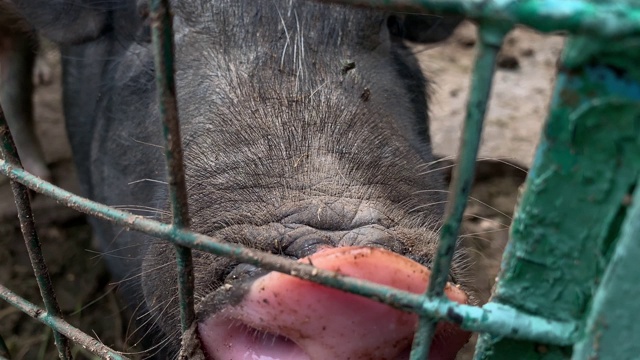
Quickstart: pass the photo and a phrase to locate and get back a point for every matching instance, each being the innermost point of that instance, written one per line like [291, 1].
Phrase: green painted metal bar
[611, 319]
[56, 323]
[603, 18]
[499, 319]
[570, 215]
[491, 37]
[162, 35]
[28, 228]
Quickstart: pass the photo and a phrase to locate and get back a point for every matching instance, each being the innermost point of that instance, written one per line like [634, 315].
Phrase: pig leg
[42, 74]
[17, 59]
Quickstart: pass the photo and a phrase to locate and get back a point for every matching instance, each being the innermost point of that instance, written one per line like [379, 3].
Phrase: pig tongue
[282, 317]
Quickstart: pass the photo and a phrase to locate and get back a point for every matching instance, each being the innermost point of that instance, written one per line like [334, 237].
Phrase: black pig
[305, 134]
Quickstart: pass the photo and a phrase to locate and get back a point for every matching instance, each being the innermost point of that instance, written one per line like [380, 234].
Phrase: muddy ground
[521, 92]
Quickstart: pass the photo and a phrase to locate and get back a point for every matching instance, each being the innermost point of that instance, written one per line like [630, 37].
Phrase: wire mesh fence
[554, 288]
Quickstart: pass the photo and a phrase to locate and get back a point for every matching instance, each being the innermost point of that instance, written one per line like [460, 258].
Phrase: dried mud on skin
[87, 296]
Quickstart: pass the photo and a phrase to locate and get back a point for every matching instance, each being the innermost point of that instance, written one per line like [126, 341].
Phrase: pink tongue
[311, 321]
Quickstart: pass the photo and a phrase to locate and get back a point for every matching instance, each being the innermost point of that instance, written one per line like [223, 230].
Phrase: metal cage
[567, 285]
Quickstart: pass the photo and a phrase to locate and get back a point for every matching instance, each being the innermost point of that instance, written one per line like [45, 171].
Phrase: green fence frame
[566, 289]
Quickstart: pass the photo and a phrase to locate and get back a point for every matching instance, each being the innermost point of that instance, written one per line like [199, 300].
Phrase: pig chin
[285, 318]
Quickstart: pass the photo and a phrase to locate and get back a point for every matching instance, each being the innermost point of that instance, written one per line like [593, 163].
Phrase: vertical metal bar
[490, 41]
[21, 195]
[162, 35]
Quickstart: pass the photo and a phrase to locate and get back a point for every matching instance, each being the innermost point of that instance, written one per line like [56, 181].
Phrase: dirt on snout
[87, 296]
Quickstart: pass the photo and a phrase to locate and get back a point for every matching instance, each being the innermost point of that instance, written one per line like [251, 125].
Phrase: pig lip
[236, 340]
[241, 341]
[312, 322]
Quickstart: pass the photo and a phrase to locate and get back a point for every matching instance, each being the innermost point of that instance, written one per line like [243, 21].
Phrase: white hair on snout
[297, 52]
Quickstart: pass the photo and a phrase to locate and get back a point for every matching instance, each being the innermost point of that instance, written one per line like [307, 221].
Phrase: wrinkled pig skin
[305, 134]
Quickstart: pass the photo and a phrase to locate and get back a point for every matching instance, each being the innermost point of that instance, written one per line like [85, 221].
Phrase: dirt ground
[522, 88]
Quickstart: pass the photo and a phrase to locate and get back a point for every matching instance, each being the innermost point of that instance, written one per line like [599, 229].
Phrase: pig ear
[423, 28]
[68, 21]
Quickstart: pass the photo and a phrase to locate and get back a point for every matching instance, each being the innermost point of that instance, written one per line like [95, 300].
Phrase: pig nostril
[244, 272]
[306, 246]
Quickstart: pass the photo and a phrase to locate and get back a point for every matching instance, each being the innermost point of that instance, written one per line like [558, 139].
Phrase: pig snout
[283, 317]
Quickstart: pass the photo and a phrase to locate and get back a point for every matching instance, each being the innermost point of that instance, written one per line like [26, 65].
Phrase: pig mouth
[280, 317]
[237, 340]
